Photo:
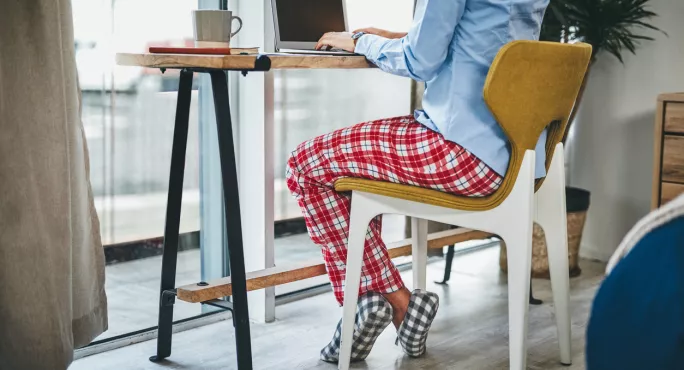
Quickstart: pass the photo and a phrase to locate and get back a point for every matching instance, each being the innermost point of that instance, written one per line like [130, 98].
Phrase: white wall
[611, 148]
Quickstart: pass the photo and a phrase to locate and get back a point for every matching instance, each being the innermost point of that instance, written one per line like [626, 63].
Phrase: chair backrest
[532, 85]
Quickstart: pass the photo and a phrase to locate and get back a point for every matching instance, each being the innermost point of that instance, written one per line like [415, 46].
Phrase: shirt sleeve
[421, 53]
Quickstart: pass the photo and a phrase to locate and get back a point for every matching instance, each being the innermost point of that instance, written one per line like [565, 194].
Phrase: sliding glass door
[128, 116]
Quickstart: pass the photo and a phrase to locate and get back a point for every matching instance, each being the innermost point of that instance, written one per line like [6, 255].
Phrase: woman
[454, 145]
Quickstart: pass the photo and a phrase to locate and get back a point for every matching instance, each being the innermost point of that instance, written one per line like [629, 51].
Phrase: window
[128, 117]
[128, 114]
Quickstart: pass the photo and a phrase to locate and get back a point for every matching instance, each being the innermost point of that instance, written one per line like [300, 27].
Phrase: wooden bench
[219, 288]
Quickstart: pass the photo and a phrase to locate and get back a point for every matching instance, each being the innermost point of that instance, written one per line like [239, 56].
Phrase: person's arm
[381, 32]
[421, 53]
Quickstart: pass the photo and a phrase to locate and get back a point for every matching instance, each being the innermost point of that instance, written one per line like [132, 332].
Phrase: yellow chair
[531, 86]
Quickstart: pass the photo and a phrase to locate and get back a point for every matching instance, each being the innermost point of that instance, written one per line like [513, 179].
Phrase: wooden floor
[469, 332]
[138, 281]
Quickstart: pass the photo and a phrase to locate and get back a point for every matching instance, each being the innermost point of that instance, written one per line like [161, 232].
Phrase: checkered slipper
[413, 331]
[373, 314]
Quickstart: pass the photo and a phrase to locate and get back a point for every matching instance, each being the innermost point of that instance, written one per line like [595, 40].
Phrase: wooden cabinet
[668, 161]
[674, 117]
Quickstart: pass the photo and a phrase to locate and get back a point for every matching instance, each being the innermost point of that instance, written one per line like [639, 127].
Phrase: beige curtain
[52, 297]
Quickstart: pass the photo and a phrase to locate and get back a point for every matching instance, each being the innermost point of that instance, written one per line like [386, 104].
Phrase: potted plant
[610, 26]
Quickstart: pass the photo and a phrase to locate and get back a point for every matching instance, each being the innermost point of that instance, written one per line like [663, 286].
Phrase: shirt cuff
[369, 46]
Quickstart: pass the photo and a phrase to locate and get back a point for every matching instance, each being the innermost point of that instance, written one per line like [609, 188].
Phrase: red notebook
[204, 51]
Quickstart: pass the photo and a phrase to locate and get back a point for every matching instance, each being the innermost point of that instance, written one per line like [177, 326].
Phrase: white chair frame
[512, 221]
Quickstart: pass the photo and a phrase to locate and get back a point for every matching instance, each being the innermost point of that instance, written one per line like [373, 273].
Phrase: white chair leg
[552, 218]
[358, 226]
[517, 233]
[519, 263]
[419, 233]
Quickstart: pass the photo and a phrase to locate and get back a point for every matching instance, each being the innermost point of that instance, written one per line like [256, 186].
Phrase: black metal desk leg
[219, 84]
[449, 261]
[173, 212]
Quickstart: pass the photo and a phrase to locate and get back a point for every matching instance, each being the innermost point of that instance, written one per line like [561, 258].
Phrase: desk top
[262, 62]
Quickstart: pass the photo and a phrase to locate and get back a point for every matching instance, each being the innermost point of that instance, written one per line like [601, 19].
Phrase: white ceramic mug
[213, 28]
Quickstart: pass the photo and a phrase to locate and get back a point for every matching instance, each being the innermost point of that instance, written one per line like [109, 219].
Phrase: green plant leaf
[608, 25]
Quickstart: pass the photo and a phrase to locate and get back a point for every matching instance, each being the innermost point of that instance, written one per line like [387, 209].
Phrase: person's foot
[373, 315]
[413, 331]
[399, 300]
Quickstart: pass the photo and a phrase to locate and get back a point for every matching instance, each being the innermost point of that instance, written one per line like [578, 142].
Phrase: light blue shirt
[450, 47]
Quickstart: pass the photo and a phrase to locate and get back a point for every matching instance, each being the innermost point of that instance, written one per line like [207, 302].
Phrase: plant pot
[577, 205]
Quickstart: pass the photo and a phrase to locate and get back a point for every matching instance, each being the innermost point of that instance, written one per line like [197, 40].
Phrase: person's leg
[399, 301]
[326, 213]
[397, 150]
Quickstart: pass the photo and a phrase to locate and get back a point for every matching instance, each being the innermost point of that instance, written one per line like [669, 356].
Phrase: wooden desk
[262, 222]
[263, 62]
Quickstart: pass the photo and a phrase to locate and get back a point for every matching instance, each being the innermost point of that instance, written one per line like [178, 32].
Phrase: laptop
[299, 24]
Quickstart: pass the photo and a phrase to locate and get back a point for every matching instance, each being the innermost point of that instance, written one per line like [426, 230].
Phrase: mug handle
[239, 27]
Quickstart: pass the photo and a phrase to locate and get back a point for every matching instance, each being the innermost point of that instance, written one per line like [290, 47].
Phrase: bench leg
[447, 268]
[447, 275]
[231, 201]
[173, 212]
[534, 301]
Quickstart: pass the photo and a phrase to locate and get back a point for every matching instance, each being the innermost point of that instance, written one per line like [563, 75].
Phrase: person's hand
[336, 40]
[381, 32]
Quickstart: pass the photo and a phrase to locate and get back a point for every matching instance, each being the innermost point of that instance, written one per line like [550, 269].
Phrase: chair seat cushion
[417, 194]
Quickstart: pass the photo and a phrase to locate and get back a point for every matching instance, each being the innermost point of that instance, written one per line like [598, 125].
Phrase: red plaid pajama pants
[398, 150]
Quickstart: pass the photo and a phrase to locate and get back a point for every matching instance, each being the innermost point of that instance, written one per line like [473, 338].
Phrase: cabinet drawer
[674, 117]
[669, 191]
[673, 159]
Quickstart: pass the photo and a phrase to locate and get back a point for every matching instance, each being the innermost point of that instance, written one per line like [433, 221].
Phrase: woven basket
[540, 261]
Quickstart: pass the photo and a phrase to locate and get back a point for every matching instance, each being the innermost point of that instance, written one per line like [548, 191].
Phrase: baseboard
[593, 253]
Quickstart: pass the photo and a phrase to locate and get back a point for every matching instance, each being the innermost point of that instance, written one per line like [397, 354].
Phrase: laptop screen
[308, 20]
